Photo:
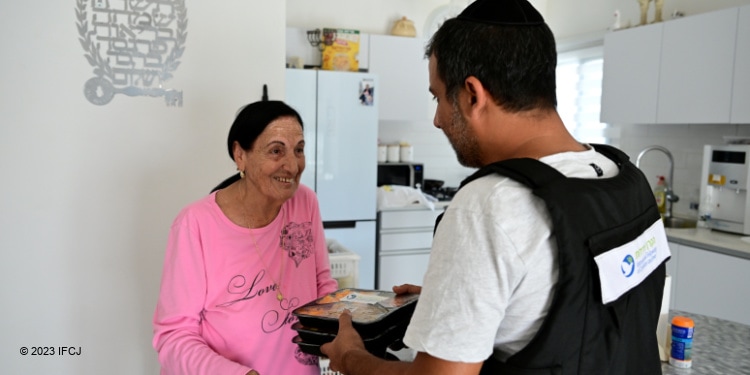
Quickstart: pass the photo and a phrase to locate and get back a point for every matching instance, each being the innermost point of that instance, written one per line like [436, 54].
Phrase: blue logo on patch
[628, 266]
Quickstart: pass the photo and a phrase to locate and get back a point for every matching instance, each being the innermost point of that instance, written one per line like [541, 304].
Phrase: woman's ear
[239, 156]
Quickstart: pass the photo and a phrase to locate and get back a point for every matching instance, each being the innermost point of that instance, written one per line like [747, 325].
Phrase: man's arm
[348, 355]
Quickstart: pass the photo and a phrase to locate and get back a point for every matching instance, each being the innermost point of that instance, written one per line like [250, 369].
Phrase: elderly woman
[241, 259]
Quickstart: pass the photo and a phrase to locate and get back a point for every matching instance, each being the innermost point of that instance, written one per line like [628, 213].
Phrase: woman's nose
[294, 164]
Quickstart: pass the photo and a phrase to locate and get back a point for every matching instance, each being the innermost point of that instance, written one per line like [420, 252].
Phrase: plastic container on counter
[682, 342]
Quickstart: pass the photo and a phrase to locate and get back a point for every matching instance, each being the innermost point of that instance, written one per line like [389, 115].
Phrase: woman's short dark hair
[250, 122]
[515, 63]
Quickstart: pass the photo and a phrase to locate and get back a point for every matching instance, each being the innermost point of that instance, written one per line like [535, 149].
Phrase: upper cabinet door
[741, 89]
[631, 75]
[401, 66]
[697, 65]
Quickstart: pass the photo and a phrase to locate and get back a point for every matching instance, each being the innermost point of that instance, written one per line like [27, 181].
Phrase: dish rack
[344, 264]
[324, 369]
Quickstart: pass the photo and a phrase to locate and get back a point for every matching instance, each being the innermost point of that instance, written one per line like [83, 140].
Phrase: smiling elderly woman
[239, 260]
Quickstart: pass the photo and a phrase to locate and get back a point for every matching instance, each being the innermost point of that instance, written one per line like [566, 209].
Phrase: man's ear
[478, 96]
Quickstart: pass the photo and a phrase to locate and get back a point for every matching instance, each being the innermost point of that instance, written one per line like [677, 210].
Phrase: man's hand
[407, 289]
[347, 340]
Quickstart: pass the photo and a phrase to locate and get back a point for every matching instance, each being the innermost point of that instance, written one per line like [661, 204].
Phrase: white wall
[567, 18]
[89, 192]
[367, 16]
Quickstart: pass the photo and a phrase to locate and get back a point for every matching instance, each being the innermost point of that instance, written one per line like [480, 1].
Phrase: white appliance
[724, 184]
[341, 140]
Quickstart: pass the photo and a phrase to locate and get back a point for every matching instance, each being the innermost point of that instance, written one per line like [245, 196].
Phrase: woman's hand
[407, 289]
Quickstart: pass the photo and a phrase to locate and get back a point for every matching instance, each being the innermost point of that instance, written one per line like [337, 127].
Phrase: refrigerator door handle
[339, 224]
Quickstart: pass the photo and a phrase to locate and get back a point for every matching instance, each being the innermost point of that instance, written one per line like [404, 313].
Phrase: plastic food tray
[373, 311]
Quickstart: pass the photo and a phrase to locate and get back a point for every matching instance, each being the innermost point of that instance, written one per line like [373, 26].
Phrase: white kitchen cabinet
[741, 89]
[702, 71]
[697, 65]
[712, 284]
[401, 66]
[403, 246]
[631, 75]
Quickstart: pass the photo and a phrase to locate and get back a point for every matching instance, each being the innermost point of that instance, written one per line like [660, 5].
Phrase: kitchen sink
[680, 222]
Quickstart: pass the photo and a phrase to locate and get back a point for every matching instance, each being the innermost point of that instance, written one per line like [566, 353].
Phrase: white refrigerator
[340, 115]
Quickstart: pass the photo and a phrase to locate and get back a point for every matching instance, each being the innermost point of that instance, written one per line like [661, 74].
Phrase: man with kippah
[550, 258]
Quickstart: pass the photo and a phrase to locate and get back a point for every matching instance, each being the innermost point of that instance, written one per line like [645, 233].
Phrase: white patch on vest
[626, 266]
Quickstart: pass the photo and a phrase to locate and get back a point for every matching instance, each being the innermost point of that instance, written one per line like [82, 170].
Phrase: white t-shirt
[493, 267]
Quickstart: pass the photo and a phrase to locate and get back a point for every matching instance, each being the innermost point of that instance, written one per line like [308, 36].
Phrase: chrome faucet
[670, 196]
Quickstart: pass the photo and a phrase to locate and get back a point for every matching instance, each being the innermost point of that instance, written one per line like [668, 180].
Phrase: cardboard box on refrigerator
[343, 53]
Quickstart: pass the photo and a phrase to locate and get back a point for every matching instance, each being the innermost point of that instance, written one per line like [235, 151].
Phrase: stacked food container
[380, 317]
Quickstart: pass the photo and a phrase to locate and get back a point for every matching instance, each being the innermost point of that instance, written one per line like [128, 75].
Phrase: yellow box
[343, 54]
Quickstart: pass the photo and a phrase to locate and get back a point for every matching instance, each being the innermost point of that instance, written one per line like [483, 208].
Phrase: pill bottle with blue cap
[681, 354]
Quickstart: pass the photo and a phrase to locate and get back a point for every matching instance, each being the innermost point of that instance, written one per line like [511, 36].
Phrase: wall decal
[134, 47]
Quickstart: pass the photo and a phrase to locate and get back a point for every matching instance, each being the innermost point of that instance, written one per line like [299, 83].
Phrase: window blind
[579, 91]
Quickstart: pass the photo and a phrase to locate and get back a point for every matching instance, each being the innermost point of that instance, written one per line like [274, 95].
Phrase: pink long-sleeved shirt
[218, 312]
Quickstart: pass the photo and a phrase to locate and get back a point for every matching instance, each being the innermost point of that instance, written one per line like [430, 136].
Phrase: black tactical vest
[582, 335]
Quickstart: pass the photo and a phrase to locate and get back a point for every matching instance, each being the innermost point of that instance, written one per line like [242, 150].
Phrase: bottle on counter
[706, 206]
[681, 353]
[660, 193]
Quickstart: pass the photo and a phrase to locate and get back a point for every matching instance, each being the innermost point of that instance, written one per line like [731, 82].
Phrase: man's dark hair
[515, 63]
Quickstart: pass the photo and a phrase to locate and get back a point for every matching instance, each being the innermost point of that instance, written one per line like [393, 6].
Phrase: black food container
[310, 340]
[380, 317]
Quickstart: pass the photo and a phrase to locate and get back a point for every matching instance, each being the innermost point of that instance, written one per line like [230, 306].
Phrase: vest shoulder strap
[534, 173]
[530, 172]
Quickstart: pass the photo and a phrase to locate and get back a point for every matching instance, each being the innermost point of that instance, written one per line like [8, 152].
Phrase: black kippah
[502, 12]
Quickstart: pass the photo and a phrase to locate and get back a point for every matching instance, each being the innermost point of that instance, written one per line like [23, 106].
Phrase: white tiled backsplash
[685, 142]
[431, 148]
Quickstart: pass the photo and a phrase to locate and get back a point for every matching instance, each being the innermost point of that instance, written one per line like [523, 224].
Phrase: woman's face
[275, 163]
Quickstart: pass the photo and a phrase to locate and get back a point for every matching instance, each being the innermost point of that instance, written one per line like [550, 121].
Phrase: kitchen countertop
[719, 347]
[712, 240]
[439, 205]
